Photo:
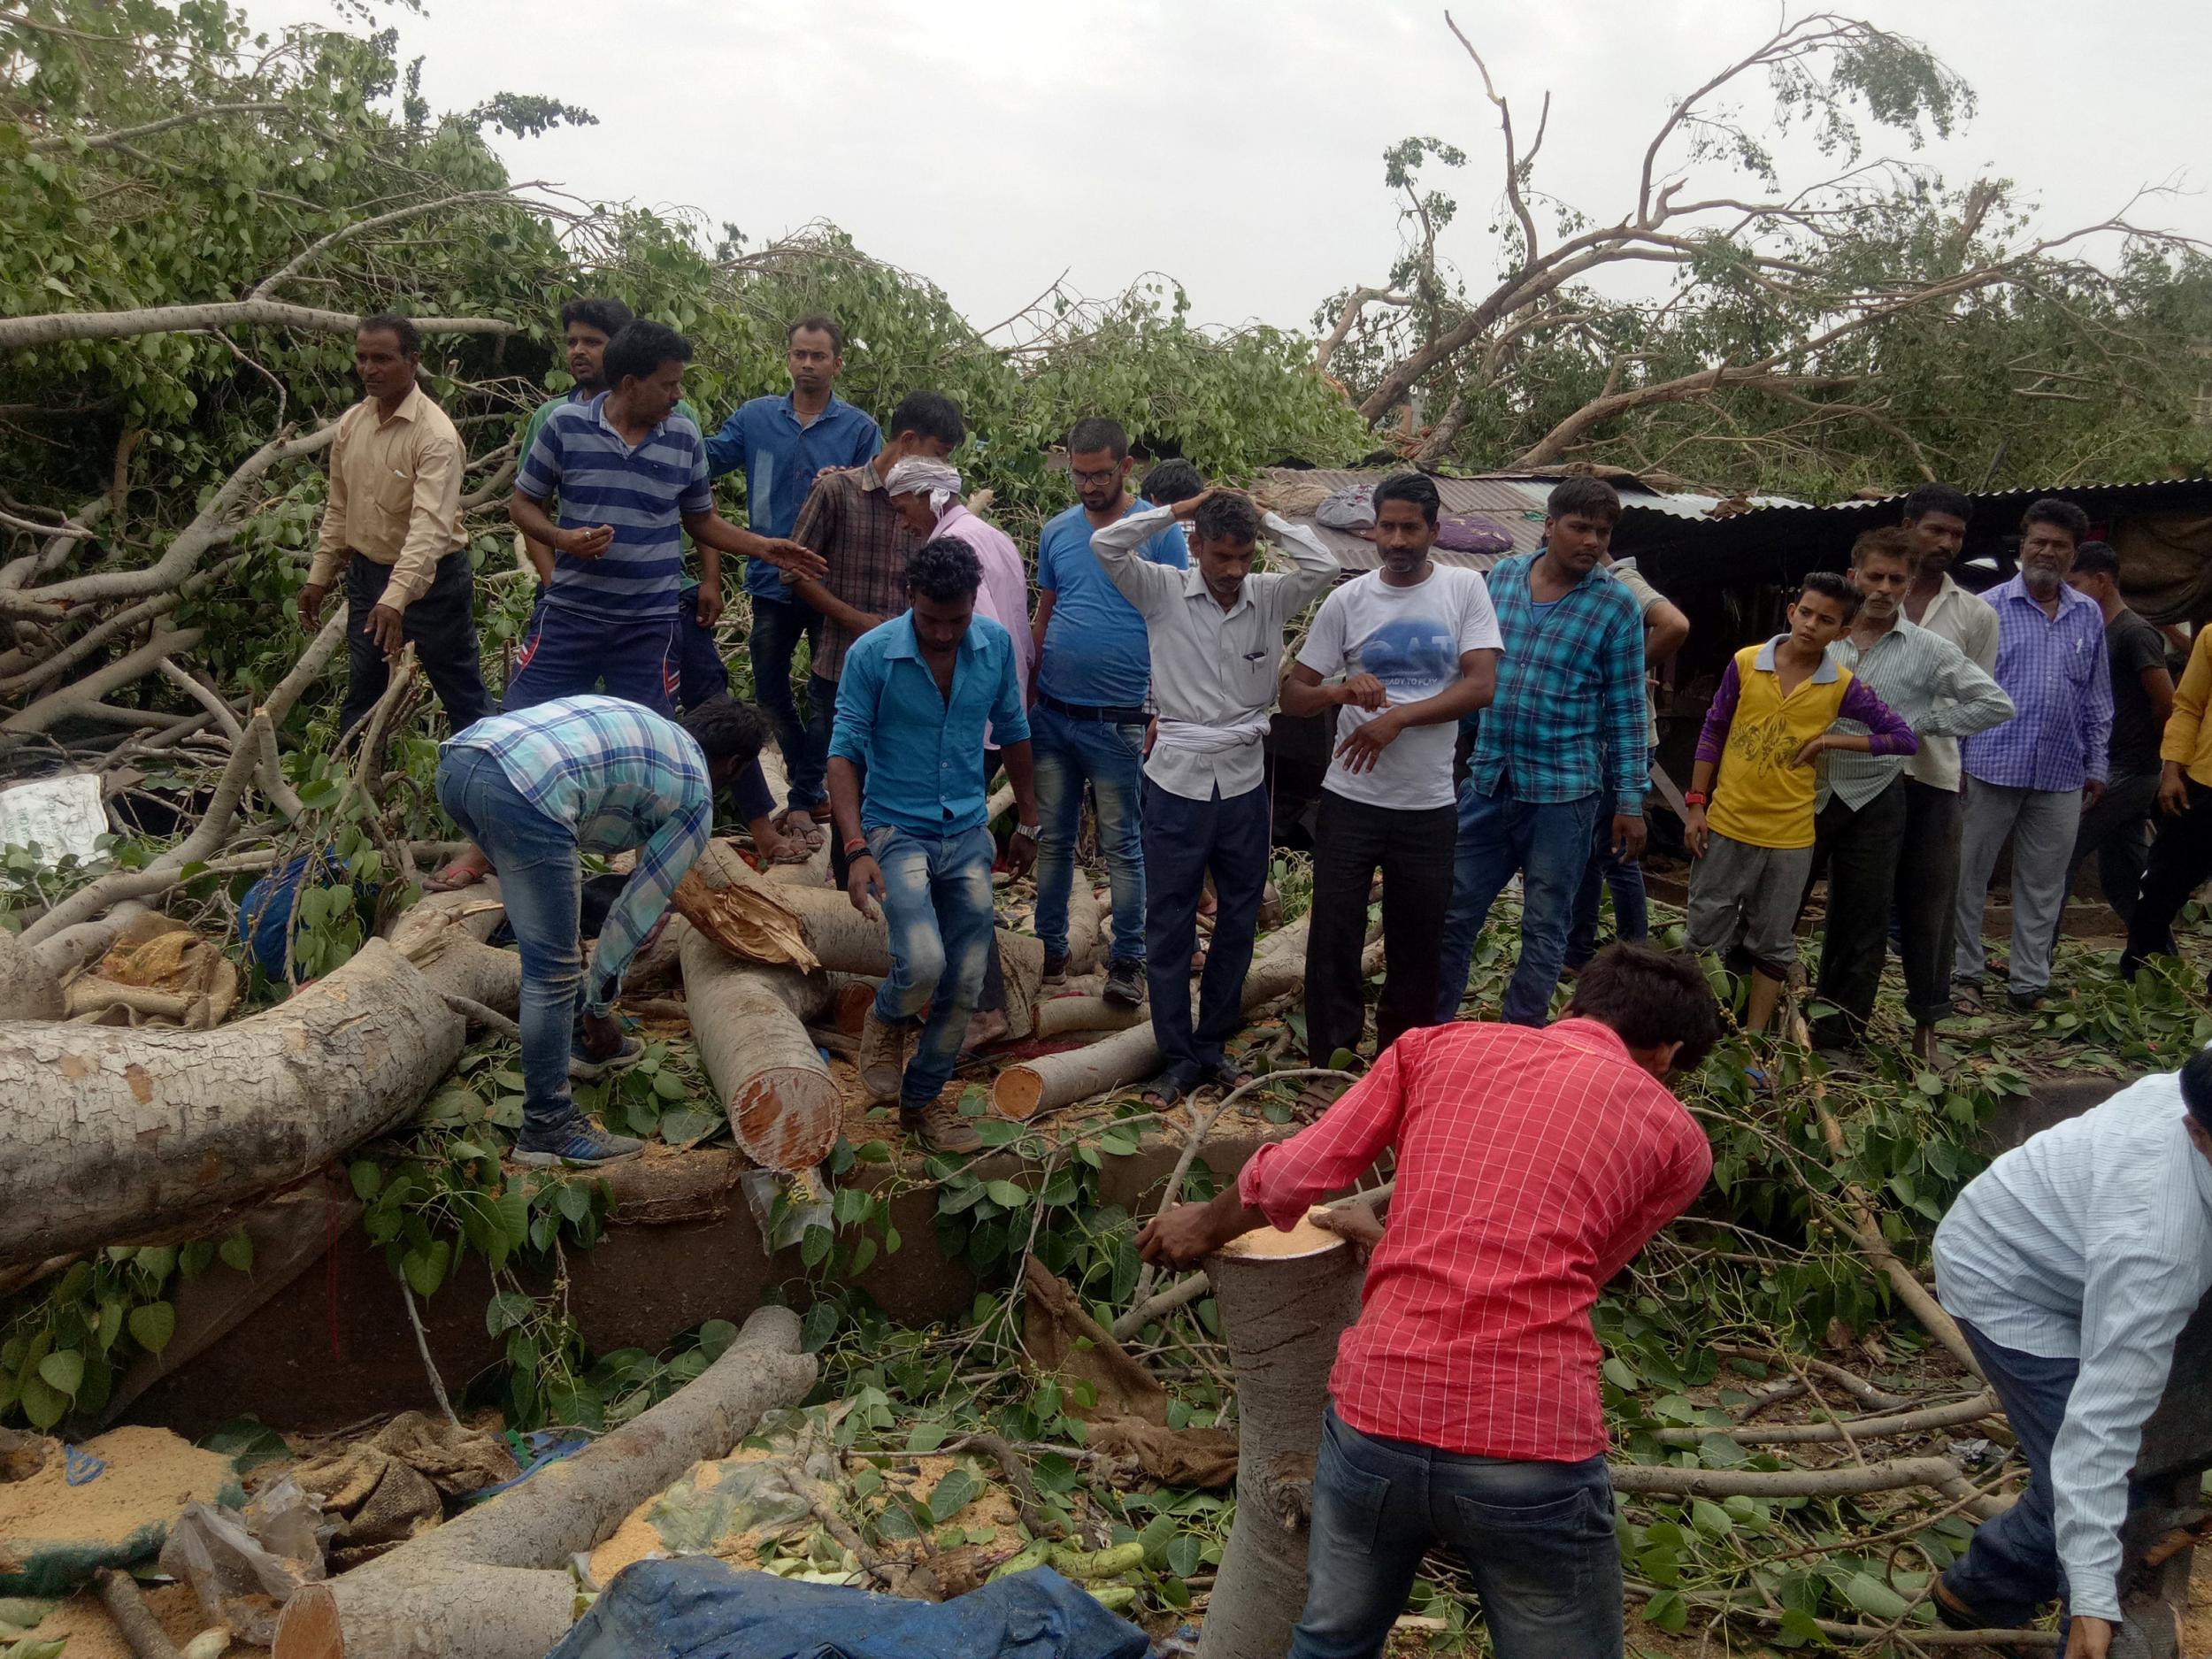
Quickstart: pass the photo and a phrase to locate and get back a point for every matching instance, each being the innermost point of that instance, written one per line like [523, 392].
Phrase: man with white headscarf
[926, 494]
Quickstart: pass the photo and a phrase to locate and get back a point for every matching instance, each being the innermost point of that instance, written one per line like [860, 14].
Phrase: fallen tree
[750, 1022]
[148, 1129]
[493, 1583]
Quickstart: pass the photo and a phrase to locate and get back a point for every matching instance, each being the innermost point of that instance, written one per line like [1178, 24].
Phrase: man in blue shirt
[1093, 673]
[781, 443]
[632, 478]
[906, 786]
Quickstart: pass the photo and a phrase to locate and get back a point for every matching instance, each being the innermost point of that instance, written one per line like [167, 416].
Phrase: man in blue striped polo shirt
[632, 478]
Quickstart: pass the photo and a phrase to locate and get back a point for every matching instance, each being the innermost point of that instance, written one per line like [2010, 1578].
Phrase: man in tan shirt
[394, 526]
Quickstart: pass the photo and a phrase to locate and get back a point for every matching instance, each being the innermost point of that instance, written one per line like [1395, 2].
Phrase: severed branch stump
[1285, 1299]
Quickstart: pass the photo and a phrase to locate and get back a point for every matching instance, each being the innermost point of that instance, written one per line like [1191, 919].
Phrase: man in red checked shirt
[1532, 1166]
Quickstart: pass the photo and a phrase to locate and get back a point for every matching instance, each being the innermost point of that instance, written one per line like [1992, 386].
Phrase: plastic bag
[243, 1568]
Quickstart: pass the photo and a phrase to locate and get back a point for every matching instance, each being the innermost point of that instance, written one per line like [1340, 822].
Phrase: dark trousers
[1631, 904]
[1414, 848]
[778, 627]
[2011, 1571]
[2180, 860]
[1183, 841]
[441, 626]
[2117, 830]
[1537, 1539]
[572, 653]
[1927, 898]
[1860, 850]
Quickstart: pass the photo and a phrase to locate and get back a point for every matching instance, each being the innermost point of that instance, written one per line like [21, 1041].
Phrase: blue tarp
[694, 1607]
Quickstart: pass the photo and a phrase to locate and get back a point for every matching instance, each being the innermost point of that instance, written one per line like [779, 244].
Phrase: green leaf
[156, 1262]
[1182, 1554]
[192, 1260]
[1006, 1194]
[1799, 1629]
[1711, 1520]
[952, 1495]
[573, 1200]
[1618, 1372]
[715, 1337]
[1873, 1598]
[1668, 1610]
[62, 1370]
[153, 1325]
[814, 1245]
[927, 1438]
[368, 1179]
[506, 1311]
[851, 1204]
[43, 1405]
[425, 1268]
[670, 1087]
[237, 1252]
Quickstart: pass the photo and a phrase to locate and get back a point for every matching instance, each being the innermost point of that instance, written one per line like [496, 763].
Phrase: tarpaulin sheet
[694, 1607]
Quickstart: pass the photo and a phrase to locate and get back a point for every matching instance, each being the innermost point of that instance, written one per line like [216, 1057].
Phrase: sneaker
[582, 1063]
[2025, 1002]
[1056, 969]
[941, 1127]
[577, 1143]
[882, 1057]
[1124, 983]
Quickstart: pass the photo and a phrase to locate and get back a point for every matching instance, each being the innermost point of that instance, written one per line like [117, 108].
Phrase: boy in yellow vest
[1768, 723]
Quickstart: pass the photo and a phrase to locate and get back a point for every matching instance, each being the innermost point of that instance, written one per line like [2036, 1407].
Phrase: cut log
[1084, 925]
[120, 1132]
[747, 918]
[492, 1583]
[1285, 1299]
[443, 935]
[750, 1022]
[1058, 1016]
[1054, 1081]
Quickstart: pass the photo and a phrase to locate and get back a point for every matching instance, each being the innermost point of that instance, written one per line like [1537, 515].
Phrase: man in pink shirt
[1532, 1166]
[926, 494]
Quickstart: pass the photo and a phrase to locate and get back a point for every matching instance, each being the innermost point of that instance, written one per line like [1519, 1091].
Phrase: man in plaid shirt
[536, 788]
[1563, 743]
[1531, 1166]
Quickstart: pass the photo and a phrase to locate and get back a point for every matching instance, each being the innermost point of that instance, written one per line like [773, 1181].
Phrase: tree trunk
[1084, 925]
[116, 1133]
[443, 935]
[493, 1583]
[750, 1022]
[1284, 1300]
[1059, 1015]
[1053, 1080]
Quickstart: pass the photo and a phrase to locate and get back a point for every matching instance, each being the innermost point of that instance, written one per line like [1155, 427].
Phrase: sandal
[800, 824]
[1319, 1095]
[465, 871]
[793, 849]
[1173, 1084]
[1226, 1077]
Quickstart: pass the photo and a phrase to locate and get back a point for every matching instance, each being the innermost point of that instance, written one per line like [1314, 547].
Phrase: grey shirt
[1933, 688]
[1214, 672]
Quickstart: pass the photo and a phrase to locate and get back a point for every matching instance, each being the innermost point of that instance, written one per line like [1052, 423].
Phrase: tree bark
[492, 1583]
[1054, 1081]
[750, 1023]
[19, 334]
[117, 1133]
[1281, 1315]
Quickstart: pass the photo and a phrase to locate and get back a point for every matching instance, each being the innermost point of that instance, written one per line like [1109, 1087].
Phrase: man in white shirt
[1417, 646]
[1936, 517]
[2071, 1264]
[1216, 637]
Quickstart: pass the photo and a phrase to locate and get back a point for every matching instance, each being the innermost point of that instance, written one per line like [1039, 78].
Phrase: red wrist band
[858, 844]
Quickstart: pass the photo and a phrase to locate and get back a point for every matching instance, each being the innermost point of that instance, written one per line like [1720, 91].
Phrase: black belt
[1108, 714]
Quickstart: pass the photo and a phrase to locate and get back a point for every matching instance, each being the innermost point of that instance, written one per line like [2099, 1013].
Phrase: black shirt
[2132, 645]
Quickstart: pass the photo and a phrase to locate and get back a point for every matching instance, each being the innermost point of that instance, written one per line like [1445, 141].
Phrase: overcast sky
[992, 144]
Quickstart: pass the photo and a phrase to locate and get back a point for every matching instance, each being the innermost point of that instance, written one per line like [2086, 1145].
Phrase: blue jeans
[2010, 1571]
[1183, 840]
[1548, 843]
[778, 627]
[569, 653]
[1111, 758]
[1537, 1539]
[1631, 910]
[541, 887]
[937, 904]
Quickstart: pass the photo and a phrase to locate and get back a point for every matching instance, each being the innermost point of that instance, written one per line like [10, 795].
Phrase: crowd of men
[1892, 739]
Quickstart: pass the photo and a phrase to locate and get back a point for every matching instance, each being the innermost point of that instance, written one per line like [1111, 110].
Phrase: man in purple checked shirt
[2029, 779]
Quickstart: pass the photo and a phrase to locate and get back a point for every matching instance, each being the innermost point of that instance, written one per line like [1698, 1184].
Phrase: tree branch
[21, 333]
[268, 286]
[1513, 197]
[53, 141]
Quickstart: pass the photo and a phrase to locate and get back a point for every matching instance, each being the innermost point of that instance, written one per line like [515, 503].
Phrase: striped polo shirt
[644, 493]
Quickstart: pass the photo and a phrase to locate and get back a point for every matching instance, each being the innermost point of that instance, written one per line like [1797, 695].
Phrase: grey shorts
[1749, 896]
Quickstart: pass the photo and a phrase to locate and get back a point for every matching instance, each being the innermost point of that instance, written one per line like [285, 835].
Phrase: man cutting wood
[1533, 1164]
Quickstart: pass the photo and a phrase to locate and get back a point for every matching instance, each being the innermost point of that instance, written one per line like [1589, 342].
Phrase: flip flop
[458, 874]
[801, 825]
[793, 849]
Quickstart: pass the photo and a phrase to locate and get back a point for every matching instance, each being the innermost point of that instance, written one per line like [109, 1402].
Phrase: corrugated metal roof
[1514, 505]
[1888, 506]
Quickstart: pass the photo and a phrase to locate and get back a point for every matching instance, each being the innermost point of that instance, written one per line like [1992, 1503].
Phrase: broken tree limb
[133, 1616]
[1939, 1473]
[750, 1022]
[1953, 1414]
[19, 334]
[1064, 1016]
[1281, 1314]
[1053, 1080]
[139, 1130]
[492, 1582]
[81, 698]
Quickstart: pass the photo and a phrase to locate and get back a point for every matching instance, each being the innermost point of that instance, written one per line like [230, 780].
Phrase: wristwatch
[1031, 830]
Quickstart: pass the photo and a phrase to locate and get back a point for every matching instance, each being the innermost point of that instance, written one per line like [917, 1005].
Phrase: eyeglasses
[1111, 475]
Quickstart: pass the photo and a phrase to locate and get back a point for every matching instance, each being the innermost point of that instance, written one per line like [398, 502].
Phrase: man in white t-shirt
[1418, 645]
